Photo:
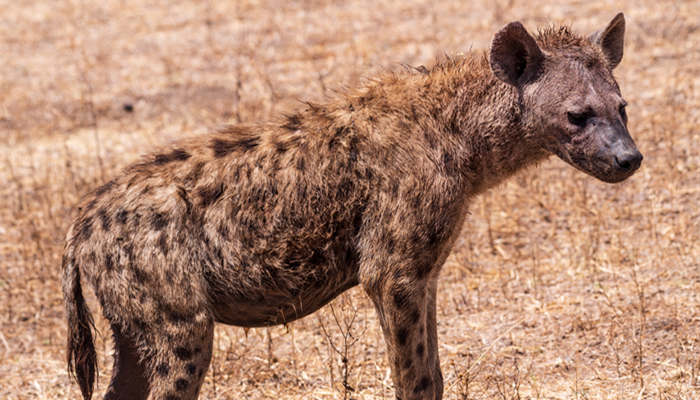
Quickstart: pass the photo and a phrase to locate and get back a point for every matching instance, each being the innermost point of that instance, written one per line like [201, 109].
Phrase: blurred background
[560, 286]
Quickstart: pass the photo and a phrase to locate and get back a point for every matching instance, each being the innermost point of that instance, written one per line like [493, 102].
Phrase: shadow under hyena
[262, 224]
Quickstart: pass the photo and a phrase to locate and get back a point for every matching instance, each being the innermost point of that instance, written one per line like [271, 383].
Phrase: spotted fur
[263, 224]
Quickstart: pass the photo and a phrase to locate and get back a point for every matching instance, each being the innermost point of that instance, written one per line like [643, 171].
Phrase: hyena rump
[263, 224]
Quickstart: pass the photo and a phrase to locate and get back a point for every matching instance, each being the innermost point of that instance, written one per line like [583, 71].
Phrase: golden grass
[561, 287]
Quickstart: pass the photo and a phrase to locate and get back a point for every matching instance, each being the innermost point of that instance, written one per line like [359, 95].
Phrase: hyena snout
[618, 153]
[627, 158]
[605, 151]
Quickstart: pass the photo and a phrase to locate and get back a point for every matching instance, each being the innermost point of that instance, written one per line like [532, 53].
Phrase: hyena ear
[515, 56]
[611, 40]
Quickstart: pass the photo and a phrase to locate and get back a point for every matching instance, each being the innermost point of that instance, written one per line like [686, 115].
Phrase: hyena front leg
[406, 309]
[431, 329]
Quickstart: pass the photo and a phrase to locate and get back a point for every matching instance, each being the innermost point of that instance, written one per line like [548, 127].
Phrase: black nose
[629, 161]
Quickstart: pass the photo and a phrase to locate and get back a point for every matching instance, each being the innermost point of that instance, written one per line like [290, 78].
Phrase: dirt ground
[560, 287]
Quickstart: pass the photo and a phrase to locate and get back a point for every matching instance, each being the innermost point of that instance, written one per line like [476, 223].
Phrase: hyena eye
[579, 119]
[623, 113]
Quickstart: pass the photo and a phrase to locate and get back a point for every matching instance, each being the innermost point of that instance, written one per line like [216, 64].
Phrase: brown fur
[263, 224]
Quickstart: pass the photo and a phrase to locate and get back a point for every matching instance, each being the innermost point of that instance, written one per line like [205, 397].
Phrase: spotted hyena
[257, 225]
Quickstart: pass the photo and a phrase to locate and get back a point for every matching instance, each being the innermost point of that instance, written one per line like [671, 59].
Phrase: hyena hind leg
[129, 375]
[168, 367]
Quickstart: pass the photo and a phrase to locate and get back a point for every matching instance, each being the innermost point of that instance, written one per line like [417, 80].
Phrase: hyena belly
[280, 245]
[278, 283]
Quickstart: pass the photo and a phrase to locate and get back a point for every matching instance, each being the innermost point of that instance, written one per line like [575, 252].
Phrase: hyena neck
[480, 122]
[455, 114]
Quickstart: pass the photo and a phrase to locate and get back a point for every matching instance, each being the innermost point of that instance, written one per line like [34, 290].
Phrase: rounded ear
[515, 56]
[612, 40]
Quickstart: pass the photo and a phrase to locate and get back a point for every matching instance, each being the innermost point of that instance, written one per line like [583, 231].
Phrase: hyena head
[571, 104]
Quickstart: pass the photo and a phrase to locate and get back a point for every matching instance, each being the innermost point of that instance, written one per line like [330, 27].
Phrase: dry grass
[561, 287]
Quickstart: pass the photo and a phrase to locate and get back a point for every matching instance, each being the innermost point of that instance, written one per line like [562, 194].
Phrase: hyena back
[263, 224]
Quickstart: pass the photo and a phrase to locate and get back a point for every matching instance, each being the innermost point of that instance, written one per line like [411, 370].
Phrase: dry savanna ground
[560, 287]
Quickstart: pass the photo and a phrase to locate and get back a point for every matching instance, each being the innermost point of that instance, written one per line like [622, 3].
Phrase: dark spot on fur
[159, 221]
[191, 368]
[417, 201]
[140, 275]
[218, 255]
[194, 175]
[436, 233]
[169, 276]
[430, 138]
[414, 315]
[367, 98]
[401, 296]
[163, 243]
[408, 364]
[293, 122]
[449, 164]
[104, 188]
[109, 262]
[177, 317]
[197, 350]
[163, 369]
[301, 163]
[105, 219]
[340, 132]
[293, 265]
[424, 269]
[395, 188]
[402, 336]
[85, 229]
[223, 231]
[171, 397]
[136, 219]
[209, 195]
[182, 193]
[353, 153]
[121, 216]
[281, 148]
[181, 384]
[175, 155]
[422, 385]
[140, 324]
[420, 349]
[222, 147]
[247, 143]
[129, 251]
[369, 175]
[345, 188]
[391, 245]
[91, 205]
[183, 353]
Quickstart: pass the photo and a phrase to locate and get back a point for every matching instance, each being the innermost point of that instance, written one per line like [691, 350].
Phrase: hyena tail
[82, 358]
